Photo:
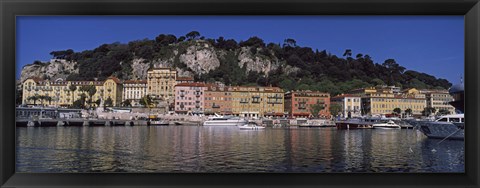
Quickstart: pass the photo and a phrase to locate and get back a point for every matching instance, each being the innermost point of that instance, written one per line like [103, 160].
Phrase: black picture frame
[11, 8]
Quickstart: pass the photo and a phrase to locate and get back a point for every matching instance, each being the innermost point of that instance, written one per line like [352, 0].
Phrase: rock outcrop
[53, 70]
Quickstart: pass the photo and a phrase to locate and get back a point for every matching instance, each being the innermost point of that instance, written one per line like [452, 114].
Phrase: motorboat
[224, 121]
[251, 126]
[388, 125]
[156, 121]
[445, 127]
[449, 126]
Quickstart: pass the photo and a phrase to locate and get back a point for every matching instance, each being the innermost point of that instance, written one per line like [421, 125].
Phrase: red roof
[344, 95]
[184, 78]
[115, 79]
[192, 84]
[135, 82]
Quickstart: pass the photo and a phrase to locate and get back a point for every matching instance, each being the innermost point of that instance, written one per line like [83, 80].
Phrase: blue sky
[430, 44]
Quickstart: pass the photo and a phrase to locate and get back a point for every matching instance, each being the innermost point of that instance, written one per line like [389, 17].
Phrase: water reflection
[227, 149]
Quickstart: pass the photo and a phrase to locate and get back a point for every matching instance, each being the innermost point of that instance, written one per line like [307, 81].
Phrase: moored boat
[224, 121]
[450, 126]
[388, 125]
[251, 126]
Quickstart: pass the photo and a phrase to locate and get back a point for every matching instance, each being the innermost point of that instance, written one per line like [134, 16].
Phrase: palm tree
[73, 88]
[49, 99]
[34, 98]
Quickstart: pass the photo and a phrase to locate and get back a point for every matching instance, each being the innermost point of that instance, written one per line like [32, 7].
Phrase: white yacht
[224, 121]
[449, 127]
[251, 126]
[388, 125]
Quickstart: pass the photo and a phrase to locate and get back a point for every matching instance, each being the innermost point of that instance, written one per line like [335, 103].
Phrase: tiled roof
[184, 78]
[192, 84]
[115, 79]
[135, 82]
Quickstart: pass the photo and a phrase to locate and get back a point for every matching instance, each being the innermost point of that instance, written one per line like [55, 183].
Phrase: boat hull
[225, 123]
[353, 125]
[443, 130]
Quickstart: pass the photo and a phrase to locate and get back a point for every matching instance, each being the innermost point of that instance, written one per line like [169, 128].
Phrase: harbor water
[228, 149]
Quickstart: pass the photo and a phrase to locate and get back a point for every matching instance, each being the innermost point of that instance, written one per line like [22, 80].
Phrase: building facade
[300, 103]
[190, 98]
[383, 102]
[257, 101]
[184, 79]
[439, 100]
[134, 90]
[161, 83]
[218, 100]
[64, 93]
[351, 105]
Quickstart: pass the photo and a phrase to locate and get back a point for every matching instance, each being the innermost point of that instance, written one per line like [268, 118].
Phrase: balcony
[215, 106]
[243, 101]
[197, 106]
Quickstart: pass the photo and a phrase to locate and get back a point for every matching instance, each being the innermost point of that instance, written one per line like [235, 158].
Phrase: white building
[134, 90]
[350, 104]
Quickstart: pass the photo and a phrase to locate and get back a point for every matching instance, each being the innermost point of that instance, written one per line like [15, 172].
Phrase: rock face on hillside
[200, 58]
[256, 63]
[53, 70]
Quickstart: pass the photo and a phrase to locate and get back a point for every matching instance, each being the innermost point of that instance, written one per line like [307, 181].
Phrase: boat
[388, 125]
[153, 120]
[224, 121]
[251, 126]
[445, 127]
[354, 124]
[449, 126]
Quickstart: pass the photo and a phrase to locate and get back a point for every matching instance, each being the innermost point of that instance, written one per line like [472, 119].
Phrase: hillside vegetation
[249, 62]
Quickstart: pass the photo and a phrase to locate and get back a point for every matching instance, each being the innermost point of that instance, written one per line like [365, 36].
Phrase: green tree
[408, 112]
[335, 109]
[127, 102]
[92, 90]
[49, 99]
[192, 35]
[108, 102]
[427, 111]
[72, 88]
[34, 98]
[316, 108]
[397, 111]
[146, 101]
[443, 112]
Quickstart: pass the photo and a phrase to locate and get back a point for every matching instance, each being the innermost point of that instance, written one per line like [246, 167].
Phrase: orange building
[299, 103]
[218, 99]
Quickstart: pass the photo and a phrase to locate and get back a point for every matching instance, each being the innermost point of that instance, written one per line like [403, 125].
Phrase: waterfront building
[134, 90]
[112, 89]
[190, 98]
[161, 83]
[439, 100]
[350, 104]
[60, 93]
[257, 101]
[218, 100]
[299, 103]
[383, 102]
[184, 79]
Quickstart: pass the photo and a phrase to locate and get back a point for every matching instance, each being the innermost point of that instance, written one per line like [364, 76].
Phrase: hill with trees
[249, 62]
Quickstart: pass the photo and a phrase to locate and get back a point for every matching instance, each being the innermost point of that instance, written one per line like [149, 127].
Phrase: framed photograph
[257, 93]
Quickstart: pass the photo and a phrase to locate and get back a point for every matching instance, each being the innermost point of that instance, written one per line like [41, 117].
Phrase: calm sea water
[228, 149]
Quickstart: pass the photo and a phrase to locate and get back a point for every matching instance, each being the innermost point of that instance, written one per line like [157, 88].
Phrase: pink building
[190, 97]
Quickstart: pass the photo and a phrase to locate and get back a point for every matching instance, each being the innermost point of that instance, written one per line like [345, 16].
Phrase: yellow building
[439, 100]
[161, 83]
[382, 100]
[113, 88]
[257, 101]
[64, 93]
